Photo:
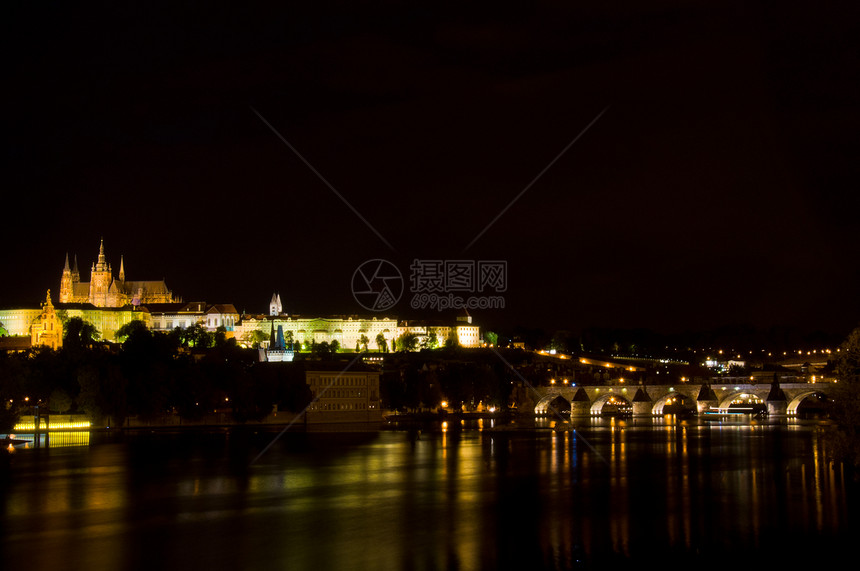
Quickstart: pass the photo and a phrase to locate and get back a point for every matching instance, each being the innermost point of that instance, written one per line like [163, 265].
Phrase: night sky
[717, 182]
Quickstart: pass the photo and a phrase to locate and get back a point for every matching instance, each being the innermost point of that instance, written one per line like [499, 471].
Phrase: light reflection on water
[460, 498]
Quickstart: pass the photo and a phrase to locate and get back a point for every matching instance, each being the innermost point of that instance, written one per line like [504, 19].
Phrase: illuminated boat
[733, 413]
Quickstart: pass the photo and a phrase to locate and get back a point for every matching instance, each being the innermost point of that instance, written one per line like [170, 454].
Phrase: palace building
[103, 290]
[109, 302]
[351, 330]
[43, 325]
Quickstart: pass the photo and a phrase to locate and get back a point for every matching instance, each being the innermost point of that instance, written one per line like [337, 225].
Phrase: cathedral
[103, 290]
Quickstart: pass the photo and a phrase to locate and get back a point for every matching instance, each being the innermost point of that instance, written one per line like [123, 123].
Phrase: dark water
[611, 495]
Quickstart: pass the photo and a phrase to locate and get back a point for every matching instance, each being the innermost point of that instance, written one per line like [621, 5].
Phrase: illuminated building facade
[44, 325]
[348, 330]
[338, 396]
[104, 291]
[47, 329]
[166, 317]
[463, 331]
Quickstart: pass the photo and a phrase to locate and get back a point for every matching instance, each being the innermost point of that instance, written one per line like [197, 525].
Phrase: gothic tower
[101, 278]
[275, 307]
[66, 287]
[69, 290]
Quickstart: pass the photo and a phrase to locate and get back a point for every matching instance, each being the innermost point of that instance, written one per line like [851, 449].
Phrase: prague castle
[109, 302]
[104, 291]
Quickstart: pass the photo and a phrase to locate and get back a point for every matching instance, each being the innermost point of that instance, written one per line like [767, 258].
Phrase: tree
[12, 383]
[491, 338]
[408, 341]
[103, 393]
[60, 401]
[363, 341]
[381, 343]
[195, 335]
[256, 337]
[452, 340]
[79, 333]
[220, 336]
[323, 350]
[845, 407]
[432, 341]
[135, 327]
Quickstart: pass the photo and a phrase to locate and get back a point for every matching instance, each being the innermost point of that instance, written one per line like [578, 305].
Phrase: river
[611, 494]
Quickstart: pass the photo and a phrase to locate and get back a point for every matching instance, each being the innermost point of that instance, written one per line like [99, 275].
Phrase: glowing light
[28, 426]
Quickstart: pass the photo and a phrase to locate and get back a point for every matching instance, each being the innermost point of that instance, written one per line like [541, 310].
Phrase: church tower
[66, 287]
[101, 278]
[47, 329]
[275, 307]
[69, 281]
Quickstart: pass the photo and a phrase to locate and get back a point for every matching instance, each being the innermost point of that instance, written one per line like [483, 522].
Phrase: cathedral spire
[101, 265]
[121, 270]
[66, 267]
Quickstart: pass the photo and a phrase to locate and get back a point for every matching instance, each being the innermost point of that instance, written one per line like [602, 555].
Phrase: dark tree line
[186, 372]
[845, 407]
[461, 377]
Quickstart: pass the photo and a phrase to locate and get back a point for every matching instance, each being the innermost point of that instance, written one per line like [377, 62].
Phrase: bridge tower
[580, 404]
[706, 399]
[777, 404]
[642, 403]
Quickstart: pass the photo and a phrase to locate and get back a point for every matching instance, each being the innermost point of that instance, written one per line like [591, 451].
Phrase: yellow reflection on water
[620, 492]
[678, 492]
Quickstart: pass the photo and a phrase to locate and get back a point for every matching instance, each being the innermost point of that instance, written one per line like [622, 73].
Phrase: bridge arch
[745, 396]
[542, 406]
[618, 402]
[795, 402]
[675, 401]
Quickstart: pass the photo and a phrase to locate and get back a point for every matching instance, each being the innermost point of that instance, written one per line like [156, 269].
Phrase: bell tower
[66, 287]
[101, 278]
[275, 306]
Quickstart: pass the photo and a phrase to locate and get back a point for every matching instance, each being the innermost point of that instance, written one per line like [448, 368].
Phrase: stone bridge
[648, 400]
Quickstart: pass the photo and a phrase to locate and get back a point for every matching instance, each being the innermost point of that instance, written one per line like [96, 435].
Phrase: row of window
[346, 394]
[342, 406]
[341, 381]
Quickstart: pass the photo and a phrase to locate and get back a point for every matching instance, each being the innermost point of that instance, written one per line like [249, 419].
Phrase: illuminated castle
[104, 291]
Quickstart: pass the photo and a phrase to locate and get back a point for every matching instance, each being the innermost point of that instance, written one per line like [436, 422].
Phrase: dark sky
[718, 186]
